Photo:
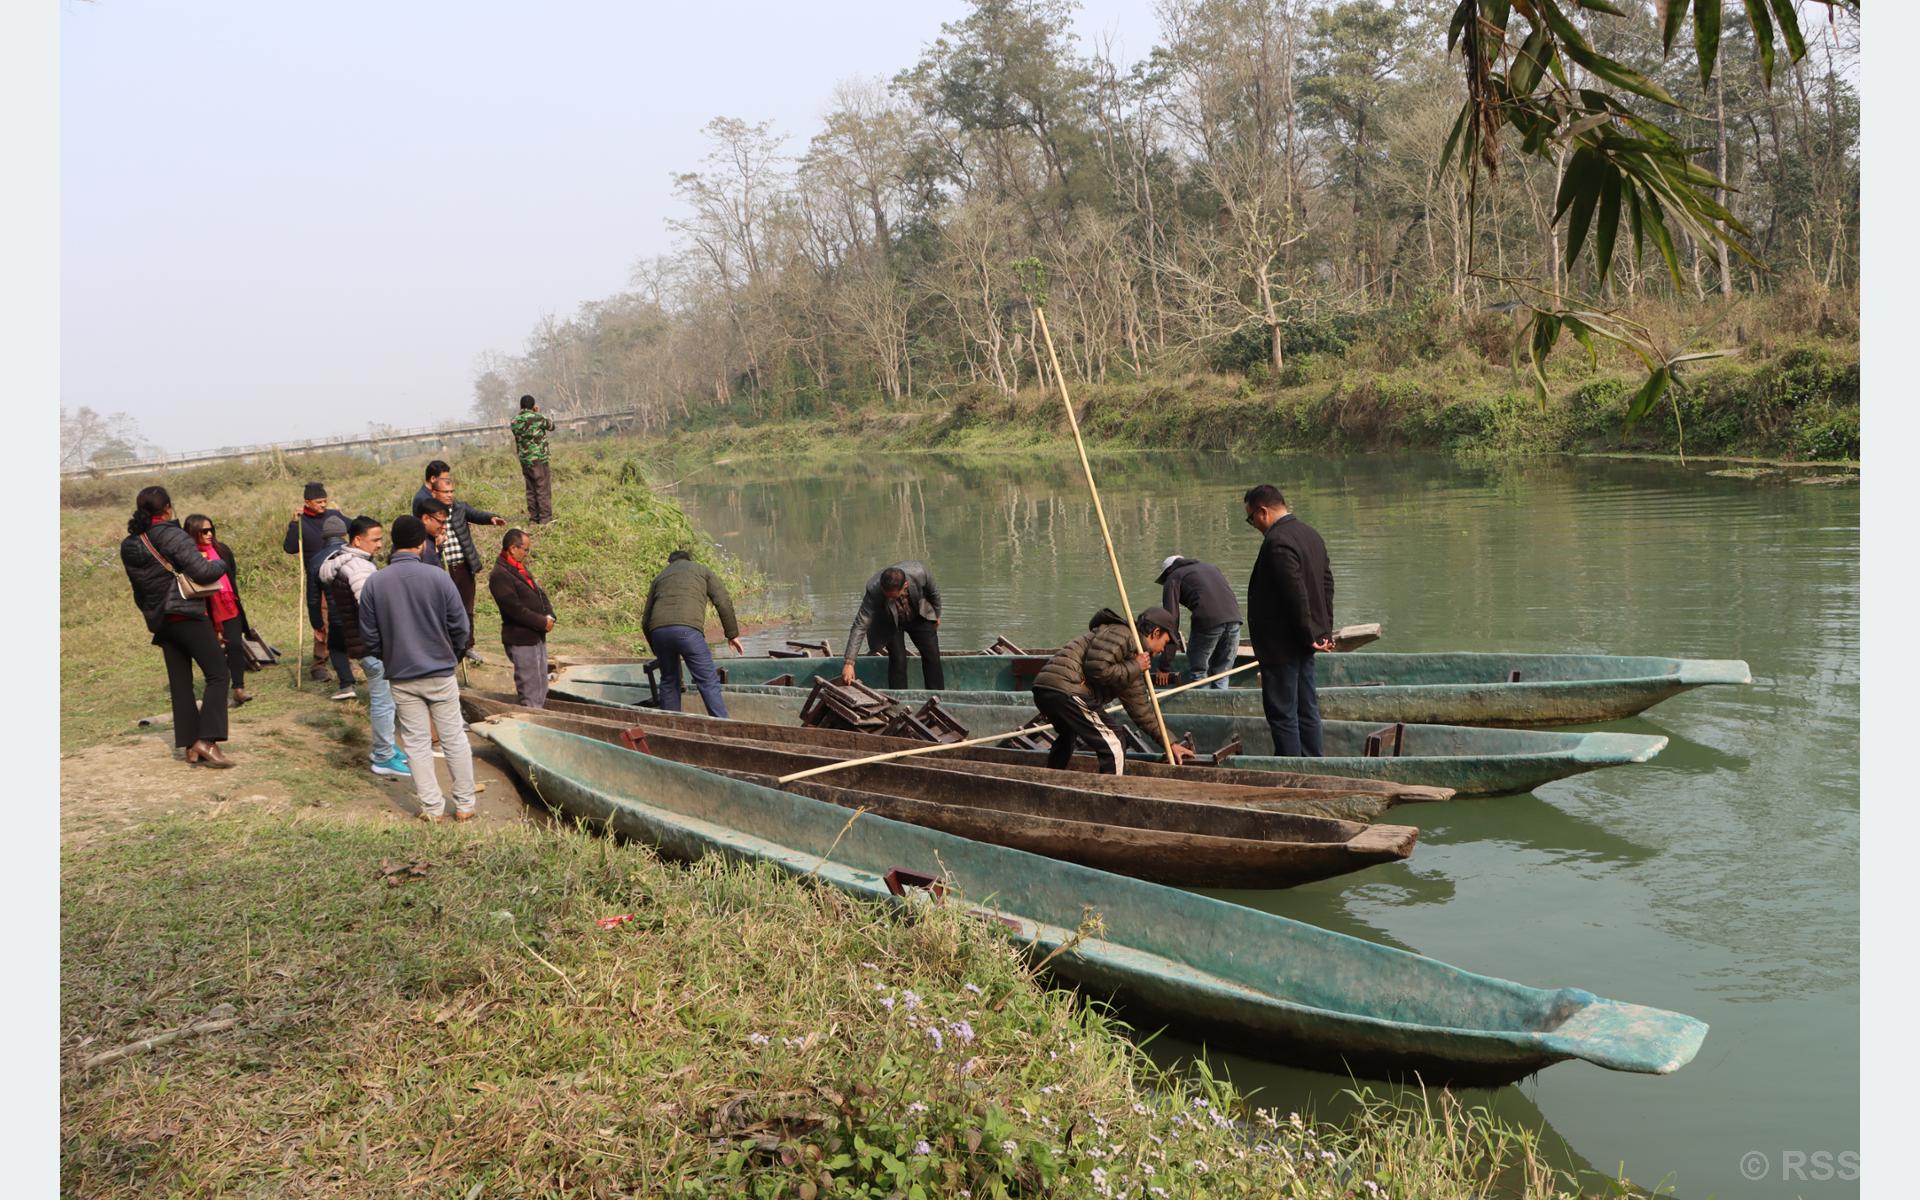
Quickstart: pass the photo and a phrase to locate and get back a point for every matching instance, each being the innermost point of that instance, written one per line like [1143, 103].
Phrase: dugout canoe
[1472, 760]
[1186, 843]
[1347, 800]
[1527, 690]
[1388, 791]
[1285, 991]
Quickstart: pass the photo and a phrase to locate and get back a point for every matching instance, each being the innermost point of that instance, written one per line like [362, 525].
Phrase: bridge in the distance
[382, 447]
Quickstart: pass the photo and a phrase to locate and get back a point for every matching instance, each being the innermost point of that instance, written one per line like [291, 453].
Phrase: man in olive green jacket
[1093, 670]
[675, 621]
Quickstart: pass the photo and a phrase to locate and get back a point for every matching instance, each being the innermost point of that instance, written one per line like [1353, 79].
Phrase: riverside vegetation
[435, 1011]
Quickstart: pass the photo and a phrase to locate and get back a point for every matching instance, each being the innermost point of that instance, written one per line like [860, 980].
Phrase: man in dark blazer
[1290, 606]
[526, 617]
[899, 602]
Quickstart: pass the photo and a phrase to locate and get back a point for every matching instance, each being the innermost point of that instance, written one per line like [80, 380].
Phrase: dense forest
[1272, 177]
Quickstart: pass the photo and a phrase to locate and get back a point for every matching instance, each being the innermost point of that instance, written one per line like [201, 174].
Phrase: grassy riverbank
[612, 533]
[1787, 396]
[745, 1033]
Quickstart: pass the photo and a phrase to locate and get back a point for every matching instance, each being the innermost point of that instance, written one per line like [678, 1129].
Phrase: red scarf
[519, 567]
[160, 519]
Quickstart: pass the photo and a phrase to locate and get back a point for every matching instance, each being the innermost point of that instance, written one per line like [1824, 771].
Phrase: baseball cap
[1168, 561]
[1160, 618]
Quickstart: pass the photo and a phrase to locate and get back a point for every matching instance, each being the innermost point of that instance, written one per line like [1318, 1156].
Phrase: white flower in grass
[966, 1068]
[963, 1030]
[939, 1042]
[871, 966]
[1139, 1109]
[1011, 1147]
[974, 988]
[910, 999]
[886, 1002]
[758, 1039]
[917, 1106]
[921, 1148]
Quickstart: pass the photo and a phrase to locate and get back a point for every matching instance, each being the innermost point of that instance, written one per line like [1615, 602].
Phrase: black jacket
[523, 610]
[1290, 596]
[155, 593]
[305, 539]
[458, 520]
[1201, 587]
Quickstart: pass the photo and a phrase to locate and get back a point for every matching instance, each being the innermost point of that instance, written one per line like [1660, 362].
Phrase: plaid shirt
[450, 553]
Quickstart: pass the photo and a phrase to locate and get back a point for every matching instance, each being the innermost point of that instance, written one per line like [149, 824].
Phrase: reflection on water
[1719, 880]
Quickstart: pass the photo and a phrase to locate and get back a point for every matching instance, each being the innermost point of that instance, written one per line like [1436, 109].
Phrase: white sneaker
[345, 693]
[439, 753]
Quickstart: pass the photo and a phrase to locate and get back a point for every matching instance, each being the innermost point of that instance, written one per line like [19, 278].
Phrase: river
[1721, 880]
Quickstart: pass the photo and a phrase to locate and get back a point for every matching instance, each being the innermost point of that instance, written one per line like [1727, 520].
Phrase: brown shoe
[432, 818]
[206, 754]
[464, 816]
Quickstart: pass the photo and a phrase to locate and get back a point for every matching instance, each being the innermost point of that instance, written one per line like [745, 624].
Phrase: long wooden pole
[934, 747]
[1126, 608]
[300, 630]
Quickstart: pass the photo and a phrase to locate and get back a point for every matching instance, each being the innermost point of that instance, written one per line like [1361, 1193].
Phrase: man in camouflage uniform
[530, 428]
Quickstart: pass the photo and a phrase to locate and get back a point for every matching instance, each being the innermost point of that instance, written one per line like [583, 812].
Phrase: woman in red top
[229, 619]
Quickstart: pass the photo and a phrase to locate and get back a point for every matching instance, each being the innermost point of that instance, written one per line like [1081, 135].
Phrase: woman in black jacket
[155, 552]
[234, 628]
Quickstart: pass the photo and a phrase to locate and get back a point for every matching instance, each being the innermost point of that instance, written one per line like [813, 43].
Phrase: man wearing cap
[1095, 669]
[1214, 636]
[412, 620]
[304, 538]
[900, 602]
[333, 540]
[1290, 598]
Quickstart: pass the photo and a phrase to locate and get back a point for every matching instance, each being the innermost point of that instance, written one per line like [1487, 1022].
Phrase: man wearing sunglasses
[1290, 606]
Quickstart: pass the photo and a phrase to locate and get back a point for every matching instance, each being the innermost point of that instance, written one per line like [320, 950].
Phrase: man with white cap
[1215, 638]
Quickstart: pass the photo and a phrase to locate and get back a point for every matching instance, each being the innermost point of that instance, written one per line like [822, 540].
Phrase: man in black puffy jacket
[1095, 669]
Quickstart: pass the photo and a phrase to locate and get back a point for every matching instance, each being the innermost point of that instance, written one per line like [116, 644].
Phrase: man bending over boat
[900, 602]
[1095, 669]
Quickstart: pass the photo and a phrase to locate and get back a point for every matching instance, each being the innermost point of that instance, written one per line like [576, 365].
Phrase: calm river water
[1720, 880]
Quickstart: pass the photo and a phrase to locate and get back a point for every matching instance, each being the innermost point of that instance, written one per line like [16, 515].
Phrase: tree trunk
[1720, 169]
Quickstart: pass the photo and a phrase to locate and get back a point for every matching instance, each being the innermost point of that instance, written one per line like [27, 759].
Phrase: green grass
[745, 1034]
[612, 533]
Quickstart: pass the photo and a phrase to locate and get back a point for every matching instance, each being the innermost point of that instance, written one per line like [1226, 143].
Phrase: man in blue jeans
[675, 621]
[1200, 588]
[1290, 599]
[345, 576]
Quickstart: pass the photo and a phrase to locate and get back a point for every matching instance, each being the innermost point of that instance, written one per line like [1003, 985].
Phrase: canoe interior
[769, 720]
[1341, 739]
[994, 672]
[608, 724]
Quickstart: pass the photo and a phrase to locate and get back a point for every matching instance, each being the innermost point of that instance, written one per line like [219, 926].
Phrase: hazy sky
[282, 223]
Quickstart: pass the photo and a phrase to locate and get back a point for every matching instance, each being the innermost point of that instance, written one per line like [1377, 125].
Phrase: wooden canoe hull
[1250, 791]
[1439, 689]
[1472, 760]
[1316, 786]
[1177, 842]
[1277, 988]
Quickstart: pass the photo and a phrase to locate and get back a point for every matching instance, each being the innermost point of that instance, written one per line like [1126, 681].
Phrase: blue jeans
[379, 707]
[671, 644]
[1293, 707]
[1211, 651]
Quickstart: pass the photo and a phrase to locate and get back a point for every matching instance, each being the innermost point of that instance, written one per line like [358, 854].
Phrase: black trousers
[926, 638]
[236, 653]
[186, 644]
[463, 583]
[539, 479]
[1077, 723]
[316, 617]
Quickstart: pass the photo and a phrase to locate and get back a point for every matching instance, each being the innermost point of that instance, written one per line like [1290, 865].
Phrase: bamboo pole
[300, 630]
[1126, 607]
[933, 747]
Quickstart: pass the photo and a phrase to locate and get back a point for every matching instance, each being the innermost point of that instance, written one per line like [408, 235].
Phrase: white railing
[194, 458]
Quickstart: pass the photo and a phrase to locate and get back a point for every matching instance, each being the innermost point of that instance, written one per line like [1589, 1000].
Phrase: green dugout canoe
[1286, 991]
[1470, 760]
[1442, 689]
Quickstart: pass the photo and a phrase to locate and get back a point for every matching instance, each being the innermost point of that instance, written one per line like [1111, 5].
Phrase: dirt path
[293, 752]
